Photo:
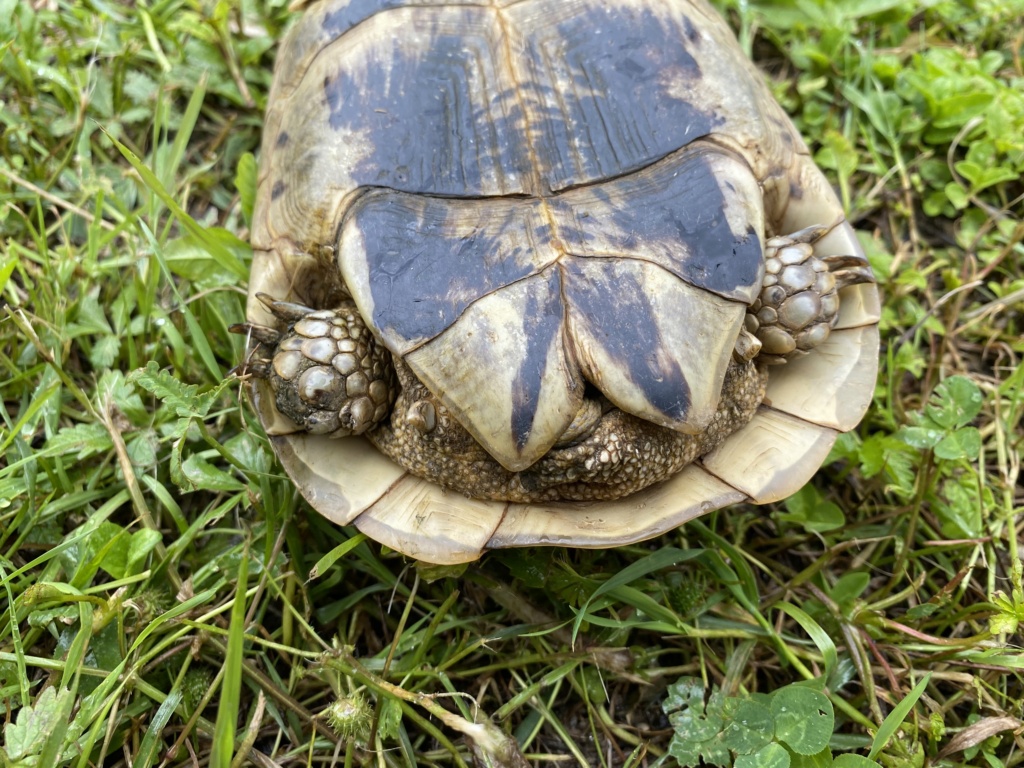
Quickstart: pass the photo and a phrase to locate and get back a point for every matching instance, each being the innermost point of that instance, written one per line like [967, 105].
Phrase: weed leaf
[25, 736]
[804, 720]
[769, 756]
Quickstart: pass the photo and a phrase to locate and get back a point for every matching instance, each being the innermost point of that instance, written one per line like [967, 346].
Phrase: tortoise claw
[809, 234]
[259, 368]
[284, 310]
[748, 346]
[269, 338]
[849, 270]
[261, 333]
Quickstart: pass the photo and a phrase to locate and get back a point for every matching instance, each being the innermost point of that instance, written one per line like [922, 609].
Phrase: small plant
[809, 510]
[350, 716]
[40, 735]
[944, 428]
[789, 728]
[944, 425]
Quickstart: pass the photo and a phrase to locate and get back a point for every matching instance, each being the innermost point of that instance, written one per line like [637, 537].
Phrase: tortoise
[558, 272]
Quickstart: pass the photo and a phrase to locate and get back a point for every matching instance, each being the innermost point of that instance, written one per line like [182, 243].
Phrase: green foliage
[792, 726]
[958, 96]
[808, 509]
[944, 425]
[931, 458]
[25, 738]
[1009, 608]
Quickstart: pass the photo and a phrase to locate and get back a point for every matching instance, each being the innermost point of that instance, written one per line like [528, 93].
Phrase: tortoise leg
[799, 301]
[328, 372]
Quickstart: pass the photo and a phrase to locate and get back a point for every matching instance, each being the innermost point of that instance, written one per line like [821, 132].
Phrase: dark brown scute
[542, 321]
[672, 213]
[615, 307]
[538, 96]
[431, 258]
[426, 108]
[603, 85]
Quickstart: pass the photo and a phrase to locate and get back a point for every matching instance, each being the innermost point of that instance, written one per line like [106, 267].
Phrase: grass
[158, 607]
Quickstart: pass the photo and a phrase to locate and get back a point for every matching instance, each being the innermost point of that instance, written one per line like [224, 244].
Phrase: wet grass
[155, 563]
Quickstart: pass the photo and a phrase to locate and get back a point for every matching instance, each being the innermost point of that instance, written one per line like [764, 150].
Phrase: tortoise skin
[497, 156]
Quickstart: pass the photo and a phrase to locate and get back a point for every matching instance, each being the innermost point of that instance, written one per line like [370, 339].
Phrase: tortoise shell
[523, 196]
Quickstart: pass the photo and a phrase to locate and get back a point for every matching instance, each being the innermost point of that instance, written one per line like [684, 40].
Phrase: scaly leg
[799, 301]
[329, 374]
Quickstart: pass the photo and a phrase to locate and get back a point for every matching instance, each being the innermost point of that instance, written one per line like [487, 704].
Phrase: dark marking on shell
[423, 108]
[277, 190]
[542, 322]
[693, 213]
[691, 31]
[426, 259]
[339, 21]
[431, 258]
[672, 213]
[594, 95]
[596, 121]
[616, 309]
[600, 83]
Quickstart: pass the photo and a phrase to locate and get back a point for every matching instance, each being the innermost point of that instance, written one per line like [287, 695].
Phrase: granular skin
[622, 454]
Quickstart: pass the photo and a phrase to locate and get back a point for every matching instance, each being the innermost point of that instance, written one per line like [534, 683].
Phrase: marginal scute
[691, 493]
[430, 524]
[756, 459]
[340, 478]
[859, 305]
[832, 387]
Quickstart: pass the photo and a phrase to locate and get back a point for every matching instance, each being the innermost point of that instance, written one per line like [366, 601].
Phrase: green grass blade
[147, 753]
[325, 562]
[655, 561]
[184, 133]
[231, 686]
[818, 635]
[16, 643]
[198, 336]
[895, 718]
[227, 260]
